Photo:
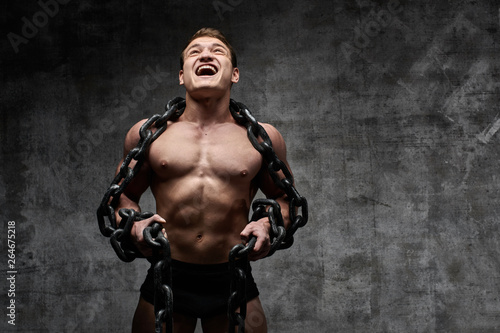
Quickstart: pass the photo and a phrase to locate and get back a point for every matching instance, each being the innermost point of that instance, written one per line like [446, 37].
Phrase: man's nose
[206, 54]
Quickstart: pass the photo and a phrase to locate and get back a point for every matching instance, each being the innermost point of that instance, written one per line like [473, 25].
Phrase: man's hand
[137, 234]
[260, 229]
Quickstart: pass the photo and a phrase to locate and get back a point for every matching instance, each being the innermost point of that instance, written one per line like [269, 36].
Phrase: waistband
[208, 268]
[200, 267]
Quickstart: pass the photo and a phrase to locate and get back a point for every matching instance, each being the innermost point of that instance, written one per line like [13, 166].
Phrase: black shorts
[199, 291]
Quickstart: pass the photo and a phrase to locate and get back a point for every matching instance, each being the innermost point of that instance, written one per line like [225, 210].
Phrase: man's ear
[236, 75]
[181, 77]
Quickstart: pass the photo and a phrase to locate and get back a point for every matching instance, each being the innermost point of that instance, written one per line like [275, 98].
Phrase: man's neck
[207, 111]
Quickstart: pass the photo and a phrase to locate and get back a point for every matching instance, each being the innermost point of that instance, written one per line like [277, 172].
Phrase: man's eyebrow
[212, 45]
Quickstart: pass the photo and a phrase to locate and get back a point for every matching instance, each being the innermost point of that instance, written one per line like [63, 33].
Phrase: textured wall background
[390, 111]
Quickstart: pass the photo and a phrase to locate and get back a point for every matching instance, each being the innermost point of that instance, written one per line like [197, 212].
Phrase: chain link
[163, 295]
[120, 235]
[238, 293]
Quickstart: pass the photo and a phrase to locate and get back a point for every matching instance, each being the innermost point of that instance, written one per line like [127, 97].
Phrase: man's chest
[223, 151]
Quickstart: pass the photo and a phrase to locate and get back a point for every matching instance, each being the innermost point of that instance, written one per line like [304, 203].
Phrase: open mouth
[206, 70]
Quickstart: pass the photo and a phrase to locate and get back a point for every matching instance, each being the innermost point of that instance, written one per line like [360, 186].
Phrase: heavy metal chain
[280, 239]
[163, 296]
[120, 235]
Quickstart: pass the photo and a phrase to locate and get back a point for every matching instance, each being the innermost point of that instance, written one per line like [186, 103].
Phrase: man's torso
[202, 180]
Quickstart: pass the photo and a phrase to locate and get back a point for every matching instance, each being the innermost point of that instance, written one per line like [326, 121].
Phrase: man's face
[207, 67]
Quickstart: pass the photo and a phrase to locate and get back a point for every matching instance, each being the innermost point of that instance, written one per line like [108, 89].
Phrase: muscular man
[204, 173]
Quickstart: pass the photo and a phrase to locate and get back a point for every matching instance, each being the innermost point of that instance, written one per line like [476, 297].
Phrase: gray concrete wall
[390, 111]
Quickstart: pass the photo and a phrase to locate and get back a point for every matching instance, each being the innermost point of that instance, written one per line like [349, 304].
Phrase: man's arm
[261, 228]
[133, 192]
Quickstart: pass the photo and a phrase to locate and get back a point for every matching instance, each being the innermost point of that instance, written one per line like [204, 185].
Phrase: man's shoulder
[133, 136]
[273, 133]
[276, 138]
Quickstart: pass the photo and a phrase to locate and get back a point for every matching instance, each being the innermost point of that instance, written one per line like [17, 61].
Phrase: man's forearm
[284, 203]
[125, 202]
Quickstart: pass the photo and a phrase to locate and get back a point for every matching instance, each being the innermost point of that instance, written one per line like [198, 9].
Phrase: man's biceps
[129, 196]
[273, 192]
[137, 187]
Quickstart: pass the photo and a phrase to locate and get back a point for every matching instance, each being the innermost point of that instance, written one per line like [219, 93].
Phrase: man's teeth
[202, 70]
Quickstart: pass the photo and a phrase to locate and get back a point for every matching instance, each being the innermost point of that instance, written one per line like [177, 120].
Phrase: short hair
[214, 33]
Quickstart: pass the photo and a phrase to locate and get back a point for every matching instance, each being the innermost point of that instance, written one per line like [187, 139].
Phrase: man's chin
[206, 91]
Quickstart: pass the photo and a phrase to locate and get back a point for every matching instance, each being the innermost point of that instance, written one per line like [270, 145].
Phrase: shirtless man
[204, 173]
